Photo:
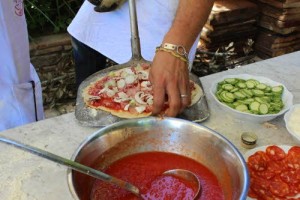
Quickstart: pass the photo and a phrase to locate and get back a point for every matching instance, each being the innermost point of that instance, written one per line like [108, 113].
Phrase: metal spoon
[73, 165]
[95, 173]
[186, 175]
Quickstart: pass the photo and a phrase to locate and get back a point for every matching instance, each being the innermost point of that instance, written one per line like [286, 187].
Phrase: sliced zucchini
[234, 90]
[258, 93]
[250, 84]
[277, 89]
[231, 80]
[254, 106]
[261, 86]
[227, 87]
[241, 107]
[241, 85]
[263, 108]
[250, 96]
[239, 95]
[247, 92]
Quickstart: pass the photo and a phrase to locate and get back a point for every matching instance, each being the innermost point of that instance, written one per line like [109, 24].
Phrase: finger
[158, 97]
[174, 100]
[185, 95]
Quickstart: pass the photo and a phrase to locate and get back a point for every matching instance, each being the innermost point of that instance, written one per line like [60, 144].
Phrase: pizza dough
[127, 93]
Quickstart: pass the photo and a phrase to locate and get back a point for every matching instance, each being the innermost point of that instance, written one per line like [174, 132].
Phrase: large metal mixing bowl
[168, 135]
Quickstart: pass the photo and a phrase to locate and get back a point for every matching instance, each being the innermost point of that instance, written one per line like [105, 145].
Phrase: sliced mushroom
[139, 97]
[146, 85]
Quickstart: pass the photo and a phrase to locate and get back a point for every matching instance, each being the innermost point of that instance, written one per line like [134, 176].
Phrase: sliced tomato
[275, 153]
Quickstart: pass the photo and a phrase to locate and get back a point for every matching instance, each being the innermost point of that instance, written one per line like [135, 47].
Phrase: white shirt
[109, 33]
[16, 92]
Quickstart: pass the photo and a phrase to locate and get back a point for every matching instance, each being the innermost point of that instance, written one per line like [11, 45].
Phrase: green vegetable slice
[250, 96]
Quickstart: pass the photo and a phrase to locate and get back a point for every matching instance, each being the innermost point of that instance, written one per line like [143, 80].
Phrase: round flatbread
[127, 93]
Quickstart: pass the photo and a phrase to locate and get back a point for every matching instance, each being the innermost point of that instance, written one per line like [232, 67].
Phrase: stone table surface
[26, 176]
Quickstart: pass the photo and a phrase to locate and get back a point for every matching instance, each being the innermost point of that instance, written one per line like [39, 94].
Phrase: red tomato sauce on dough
[144, 170]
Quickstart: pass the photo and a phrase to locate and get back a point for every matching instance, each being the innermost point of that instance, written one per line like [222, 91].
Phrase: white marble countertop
[24, 176]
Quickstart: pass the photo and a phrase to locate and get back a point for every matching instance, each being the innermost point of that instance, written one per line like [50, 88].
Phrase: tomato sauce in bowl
[145, 170]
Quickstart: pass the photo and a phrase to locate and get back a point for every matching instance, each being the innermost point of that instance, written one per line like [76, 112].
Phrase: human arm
[169, 75]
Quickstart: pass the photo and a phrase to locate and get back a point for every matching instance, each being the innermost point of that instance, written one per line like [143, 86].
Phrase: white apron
[17, 76]
[109, 33]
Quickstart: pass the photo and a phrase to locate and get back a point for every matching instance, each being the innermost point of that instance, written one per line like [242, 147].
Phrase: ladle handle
[135, 39]
[74, 165]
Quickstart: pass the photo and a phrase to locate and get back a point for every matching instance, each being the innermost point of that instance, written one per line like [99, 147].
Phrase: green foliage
[46, 17]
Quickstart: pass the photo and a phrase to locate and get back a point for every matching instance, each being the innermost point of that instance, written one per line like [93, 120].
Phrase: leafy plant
[44, 16]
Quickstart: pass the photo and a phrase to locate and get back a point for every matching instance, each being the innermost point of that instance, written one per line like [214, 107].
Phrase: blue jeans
[87, 60]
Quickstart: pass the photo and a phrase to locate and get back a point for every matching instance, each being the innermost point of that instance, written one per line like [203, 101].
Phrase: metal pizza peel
[93, 117]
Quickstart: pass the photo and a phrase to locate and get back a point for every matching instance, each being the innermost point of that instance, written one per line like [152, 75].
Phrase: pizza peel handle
[92, 117]
[135, 43]
[135, 39]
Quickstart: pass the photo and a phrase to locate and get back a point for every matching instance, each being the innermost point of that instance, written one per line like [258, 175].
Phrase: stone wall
[52, 58]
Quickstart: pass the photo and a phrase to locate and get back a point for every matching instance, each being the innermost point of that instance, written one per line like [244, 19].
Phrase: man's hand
[170, 78]
[169, 75]
[106, 5]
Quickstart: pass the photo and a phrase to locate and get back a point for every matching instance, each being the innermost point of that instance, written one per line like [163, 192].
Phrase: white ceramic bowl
[287, 99]
[288, 119]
